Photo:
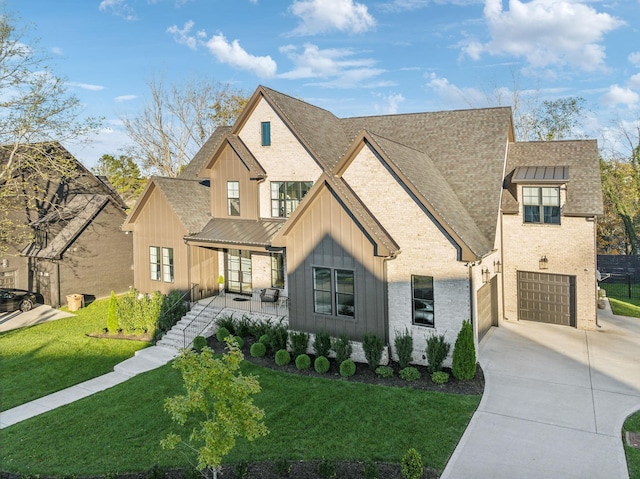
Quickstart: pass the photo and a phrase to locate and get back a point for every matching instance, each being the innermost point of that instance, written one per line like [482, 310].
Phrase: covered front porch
[260, 302]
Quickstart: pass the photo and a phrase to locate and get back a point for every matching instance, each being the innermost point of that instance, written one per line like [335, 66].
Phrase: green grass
[45, 358]
[633, 455]
[625, 307]
[119, 430]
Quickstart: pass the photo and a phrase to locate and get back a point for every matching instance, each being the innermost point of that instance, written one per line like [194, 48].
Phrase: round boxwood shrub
[440, 377]
[258, 350]
[199, 342]
[384, 371]
[264, 339]
[347, 368]
[239, 341]
[321, 364]
[409, 374]
[283, 357]
[222, 333]
[303, 361]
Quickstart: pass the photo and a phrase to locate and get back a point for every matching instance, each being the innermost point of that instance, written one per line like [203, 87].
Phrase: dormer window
[266, 133]
[541, 204]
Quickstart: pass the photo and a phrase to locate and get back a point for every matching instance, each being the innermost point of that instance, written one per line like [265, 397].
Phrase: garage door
[487, 307]
[7, 279]
[547, 298]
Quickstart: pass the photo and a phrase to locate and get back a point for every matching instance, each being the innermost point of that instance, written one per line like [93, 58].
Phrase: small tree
[112, 314]
[412, 464]
[218, 395]
[464, 354]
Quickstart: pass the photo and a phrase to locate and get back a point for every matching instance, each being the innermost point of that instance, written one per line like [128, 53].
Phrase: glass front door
[239, 271]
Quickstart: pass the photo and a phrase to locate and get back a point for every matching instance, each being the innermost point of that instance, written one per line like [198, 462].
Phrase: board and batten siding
[326, 236]
[204, 271]
[158, 225]
[229, 167]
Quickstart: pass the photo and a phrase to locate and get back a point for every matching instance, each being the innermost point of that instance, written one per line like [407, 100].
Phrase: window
[233, 198]
[422, 300]
[154, 262]
[333, 292]
[286, 196]
[265, 132]
[277, 270]
[541, 205]
[167, 265]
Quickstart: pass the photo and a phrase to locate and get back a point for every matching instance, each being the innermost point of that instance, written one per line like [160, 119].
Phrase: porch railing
[193, 329]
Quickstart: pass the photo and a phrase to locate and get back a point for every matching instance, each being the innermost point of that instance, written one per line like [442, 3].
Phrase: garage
[487, 307]
[547, 298]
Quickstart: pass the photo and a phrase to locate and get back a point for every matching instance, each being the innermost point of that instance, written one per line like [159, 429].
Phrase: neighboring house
[380, 224]
[76, 244]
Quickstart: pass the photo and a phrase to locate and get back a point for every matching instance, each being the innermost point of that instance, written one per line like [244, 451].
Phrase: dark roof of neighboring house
[580, 157]
[202, 157]
[238, 231]
[189, 199]
[77, 214]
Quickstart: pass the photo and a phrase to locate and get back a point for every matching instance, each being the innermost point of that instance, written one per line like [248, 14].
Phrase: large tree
[177, 119]
[123, 174]
[36, 112]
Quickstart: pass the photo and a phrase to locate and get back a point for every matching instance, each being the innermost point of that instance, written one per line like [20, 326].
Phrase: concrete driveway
[39, 314]
[554, 402]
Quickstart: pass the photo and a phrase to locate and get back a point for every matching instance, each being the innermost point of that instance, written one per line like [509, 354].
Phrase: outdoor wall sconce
[544, 263]
[5, 263]
[485, 275]
[497, 267]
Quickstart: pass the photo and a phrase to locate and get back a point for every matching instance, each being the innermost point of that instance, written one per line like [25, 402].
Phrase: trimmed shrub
[172, 311]
[199, 342]
[327, 468]
[371, 470]
[282, 357]
[226, 322]
[404, 348]
[258, 350]
[464, 354]
[281, 466]
[412, 464]
[303, 361]
[373, 347]
[343, 349]
[321, 364]
[260, 328]
[299, 343]
[347, 368]
[384, 371]
[440, 377]
[264, 339]
[322, 344]
[243, 327]
[278, 336]
[112, 314]
[240, 341]
[222, 333]
[409, 374]
[437, 351]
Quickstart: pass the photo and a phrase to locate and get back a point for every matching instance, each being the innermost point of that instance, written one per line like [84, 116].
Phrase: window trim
[540, 206]
[277, 270]
[233, 188]
[427, 301]
[333, 293]
[157, 271]
[167, 267]
[281, 203]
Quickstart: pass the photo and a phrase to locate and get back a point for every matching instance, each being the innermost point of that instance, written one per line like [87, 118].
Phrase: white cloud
[634, 81]
[121, 98]
[546, 33]
[391, 104]
[119, 8]
[634, 58]
[403, 5]
[319, 16]
[618, 95]
[182, 36]
[85, 86]
[455, 96]
[233, 54]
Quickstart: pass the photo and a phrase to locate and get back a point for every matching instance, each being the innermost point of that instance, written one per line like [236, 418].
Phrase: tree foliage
[218, 397]
[548, 120]
[177, 119]
[36, 112]
[123, 174]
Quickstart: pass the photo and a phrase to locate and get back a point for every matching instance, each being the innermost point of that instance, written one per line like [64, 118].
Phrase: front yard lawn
[119, 430]
[633, 455]
[625, 307]
[45, 358]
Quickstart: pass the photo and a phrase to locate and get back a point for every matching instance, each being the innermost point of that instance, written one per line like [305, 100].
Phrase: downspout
[471, 303]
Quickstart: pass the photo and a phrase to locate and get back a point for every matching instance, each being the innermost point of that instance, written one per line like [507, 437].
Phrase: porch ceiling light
[544, 263]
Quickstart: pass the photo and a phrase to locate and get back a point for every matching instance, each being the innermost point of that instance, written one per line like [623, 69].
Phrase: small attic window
[266, 133]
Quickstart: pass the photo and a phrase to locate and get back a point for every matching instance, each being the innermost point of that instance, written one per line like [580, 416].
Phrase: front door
[239, 271]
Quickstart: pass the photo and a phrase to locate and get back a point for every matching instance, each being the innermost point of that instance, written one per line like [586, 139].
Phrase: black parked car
[16, 299]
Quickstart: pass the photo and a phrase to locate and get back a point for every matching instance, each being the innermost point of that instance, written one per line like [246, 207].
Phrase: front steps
[200, 321]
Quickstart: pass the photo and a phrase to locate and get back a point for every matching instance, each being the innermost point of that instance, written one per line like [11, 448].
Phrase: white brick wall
[284, 160]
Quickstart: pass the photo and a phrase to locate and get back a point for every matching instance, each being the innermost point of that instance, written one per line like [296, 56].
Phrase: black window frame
[283, 203]
[537, 212]
[341, 300]
[424, 297]
[277, 270]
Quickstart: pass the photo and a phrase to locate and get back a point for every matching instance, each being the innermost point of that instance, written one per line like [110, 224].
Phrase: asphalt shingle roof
[189, 199]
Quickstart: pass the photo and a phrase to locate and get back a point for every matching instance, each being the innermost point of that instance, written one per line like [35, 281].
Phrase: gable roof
[189, 199]
[580, 157]
[77, 214]
[204, 154]
[256, 171]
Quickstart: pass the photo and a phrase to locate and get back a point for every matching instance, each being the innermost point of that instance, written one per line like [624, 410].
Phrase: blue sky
[350, 57]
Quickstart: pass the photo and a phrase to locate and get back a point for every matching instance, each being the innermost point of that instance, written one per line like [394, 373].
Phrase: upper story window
[233, 198]
[265, 133]
[422, 299]
[286, 196]
[541, 204]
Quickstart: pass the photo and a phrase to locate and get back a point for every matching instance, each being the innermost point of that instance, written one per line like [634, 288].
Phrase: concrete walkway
[554, 402]
[41, 313]
[144, 360]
